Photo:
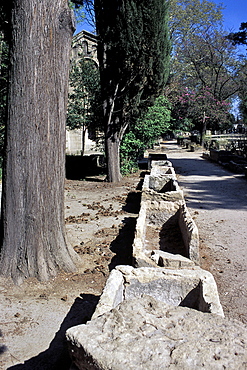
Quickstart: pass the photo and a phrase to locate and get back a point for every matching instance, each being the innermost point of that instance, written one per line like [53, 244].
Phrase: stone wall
[164, 222]
[84, 44]
[165, 312]
[192, 287]
[74, 143]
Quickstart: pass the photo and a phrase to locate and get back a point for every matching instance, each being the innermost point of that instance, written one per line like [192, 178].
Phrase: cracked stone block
[166, 226]
[168, 260]
[145, 334]
[194, 288]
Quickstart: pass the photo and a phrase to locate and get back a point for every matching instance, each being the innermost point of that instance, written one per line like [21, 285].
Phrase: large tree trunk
[112, 137]
[113, 158]
[32, 225]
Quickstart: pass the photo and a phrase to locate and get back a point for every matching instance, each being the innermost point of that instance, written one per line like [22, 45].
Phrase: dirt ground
[100, 224]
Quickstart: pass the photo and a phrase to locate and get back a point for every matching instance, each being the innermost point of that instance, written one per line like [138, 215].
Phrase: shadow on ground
[80, 167]
[210, 184]
[56, 357]
[122, 245]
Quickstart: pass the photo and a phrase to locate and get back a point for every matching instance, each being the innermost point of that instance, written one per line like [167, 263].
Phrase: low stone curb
[145, 334]
[165, 312]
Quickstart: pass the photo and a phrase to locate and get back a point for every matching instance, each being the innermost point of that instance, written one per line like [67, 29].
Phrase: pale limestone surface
[163, 203]
[194, 288]
[162, 187]
[156, 212]
[144, 334]
[168, 260]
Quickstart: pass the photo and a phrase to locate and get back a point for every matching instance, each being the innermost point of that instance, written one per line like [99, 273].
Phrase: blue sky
[234, 14]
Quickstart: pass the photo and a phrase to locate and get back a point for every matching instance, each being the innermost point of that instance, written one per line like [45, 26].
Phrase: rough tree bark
[32, 224]
[112, 154]
[112, 136]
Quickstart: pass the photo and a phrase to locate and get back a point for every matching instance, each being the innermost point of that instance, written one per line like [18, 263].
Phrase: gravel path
[35, 315]
[217, 200]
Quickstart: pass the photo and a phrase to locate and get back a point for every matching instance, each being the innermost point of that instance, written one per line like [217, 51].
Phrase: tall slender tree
[32, 223]
[133, 52]
[240, 38]
[203, 63]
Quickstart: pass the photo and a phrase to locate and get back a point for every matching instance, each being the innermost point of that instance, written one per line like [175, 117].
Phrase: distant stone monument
[84, 44]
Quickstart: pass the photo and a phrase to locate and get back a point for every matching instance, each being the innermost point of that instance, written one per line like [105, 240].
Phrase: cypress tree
[133, 52]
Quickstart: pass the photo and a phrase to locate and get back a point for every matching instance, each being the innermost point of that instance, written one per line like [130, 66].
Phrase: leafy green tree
[154, 123]
[211, 62]
[243, 106]
[202, 59]
[133, 52]
[131, 150]
[84, 98]
[190, 17]
[206, 65]
[201, 110]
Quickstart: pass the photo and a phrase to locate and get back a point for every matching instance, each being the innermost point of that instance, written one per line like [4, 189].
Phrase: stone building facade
[84, 45]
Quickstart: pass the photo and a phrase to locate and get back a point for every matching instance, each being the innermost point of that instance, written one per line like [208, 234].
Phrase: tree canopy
[188, 17]
[205, 66]
[240, 37]
[148, 128]
[133, 52]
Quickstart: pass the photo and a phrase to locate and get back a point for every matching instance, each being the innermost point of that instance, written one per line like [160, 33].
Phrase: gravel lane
[217, 200]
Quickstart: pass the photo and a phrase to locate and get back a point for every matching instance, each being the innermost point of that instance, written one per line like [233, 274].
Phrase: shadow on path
[56, 357]
[210, 184]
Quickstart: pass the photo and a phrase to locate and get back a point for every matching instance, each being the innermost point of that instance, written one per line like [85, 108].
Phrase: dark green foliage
[131, 150]
[133, 52]
[154, 123]
[243, 105]
[240, 37]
